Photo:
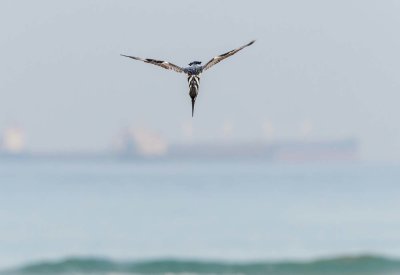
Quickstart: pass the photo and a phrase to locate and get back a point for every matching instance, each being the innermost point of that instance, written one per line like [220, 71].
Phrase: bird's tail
[193, 101]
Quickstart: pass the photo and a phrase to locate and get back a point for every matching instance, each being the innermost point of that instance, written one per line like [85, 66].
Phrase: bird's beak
[193, 101]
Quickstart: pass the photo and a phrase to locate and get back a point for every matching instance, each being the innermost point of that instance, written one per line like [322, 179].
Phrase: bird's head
[194, 63]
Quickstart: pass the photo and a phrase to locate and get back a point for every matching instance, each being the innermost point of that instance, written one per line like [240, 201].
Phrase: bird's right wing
[164, 64]
[221, 57]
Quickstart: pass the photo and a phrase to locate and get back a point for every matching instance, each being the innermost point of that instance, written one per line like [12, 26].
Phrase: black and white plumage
[194, 70]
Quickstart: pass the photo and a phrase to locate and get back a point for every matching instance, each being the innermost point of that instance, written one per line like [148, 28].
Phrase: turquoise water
[363, 265]
[235, 212]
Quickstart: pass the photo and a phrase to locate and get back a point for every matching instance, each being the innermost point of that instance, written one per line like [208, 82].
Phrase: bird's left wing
[164, 64]
[221, 57]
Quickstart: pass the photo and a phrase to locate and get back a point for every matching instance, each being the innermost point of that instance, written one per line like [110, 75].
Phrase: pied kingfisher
[194, 70]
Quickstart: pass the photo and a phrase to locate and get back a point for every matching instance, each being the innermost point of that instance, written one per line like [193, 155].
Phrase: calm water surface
[207, 210]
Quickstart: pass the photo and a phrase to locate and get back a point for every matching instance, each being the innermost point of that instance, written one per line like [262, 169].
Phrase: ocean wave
[357, 265]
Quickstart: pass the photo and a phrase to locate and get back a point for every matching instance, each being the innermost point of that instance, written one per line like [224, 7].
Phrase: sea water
[235, 211]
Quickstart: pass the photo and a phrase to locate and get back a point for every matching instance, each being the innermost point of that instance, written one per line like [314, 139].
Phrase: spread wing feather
[163, 64]
[221, 57]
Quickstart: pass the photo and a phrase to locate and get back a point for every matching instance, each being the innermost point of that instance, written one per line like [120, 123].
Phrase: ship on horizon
[144, 144]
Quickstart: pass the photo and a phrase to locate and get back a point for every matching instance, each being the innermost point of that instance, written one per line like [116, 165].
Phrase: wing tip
[133, 57]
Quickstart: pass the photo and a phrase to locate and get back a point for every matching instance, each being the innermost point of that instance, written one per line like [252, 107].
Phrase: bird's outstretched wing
[164, 64]
[221, 57]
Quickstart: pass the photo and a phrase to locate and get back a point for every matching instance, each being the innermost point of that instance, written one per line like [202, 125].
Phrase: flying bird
[194, 70]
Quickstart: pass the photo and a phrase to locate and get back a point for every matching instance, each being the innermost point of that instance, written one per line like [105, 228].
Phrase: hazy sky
[319, 69]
